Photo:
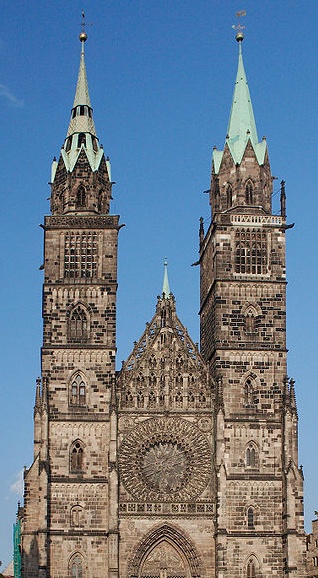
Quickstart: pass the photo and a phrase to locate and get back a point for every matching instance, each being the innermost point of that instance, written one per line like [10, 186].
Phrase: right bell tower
[259, 486]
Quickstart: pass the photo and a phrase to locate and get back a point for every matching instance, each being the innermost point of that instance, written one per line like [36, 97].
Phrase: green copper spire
[165, 287]
[82, 92]
[242, 123]
[81, 134]
[82, 114]
[242, 126]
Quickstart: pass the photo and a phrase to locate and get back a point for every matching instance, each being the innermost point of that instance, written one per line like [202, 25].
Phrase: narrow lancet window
[76, 457]
[249, 193]
[229, 195]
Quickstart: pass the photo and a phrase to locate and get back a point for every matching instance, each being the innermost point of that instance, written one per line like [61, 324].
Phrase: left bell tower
[70, 512]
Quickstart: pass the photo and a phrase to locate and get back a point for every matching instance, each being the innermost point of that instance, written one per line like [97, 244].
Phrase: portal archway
[165, 552]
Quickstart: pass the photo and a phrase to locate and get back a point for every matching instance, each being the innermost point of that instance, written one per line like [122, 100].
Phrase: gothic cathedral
[184, 463]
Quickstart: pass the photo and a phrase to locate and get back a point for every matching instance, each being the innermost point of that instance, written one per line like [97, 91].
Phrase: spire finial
[239, 27]
[83, 35]
[165, 286]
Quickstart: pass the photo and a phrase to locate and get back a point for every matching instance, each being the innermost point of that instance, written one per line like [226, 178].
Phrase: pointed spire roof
[242, 126]
[81, 134]
[82, 118]
[165, 287]
[82, 92]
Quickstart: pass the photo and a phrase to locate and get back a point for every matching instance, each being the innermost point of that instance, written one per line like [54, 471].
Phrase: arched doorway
[165, 552]
[164, 561]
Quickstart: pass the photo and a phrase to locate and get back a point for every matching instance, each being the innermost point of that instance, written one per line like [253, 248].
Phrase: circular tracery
[165, 459]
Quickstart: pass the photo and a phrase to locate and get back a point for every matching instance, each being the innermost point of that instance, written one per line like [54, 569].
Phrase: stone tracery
[158, 462]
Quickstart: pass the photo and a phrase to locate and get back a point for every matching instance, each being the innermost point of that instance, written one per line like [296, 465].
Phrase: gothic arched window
[250, 569]
[251, 456]
[76, 457]
[78, 325]
[249, 400]
[250, 518]
[229, 196]
[249, 193]
[81, 197]
[78, 391]
[76, 567]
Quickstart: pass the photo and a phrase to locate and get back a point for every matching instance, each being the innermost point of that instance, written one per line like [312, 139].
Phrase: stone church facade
[184, 463]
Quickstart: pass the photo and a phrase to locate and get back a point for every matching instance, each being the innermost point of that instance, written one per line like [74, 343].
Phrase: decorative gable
[165, 370]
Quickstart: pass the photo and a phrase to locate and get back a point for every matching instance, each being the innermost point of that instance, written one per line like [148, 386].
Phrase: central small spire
[165, 286]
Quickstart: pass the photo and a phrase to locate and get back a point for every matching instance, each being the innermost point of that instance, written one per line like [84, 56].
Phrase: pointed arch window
[250, 322]
[78, 391]
[76, 457]
[250, 569]
[251, 456]
[81, 197]
[249, 397]
[250, 518]
[78, 325]
[249, 193]
[202, 398]
[76, 567]
[229, 197]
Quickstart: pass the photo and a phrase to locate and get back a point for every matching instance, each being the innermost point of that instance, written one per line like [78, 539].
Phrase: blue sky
[161, 76]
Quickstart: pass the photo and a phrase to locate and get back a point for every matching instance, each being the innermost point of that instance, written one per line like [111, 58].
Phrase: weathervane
[83, 35]
[239, 27]
[83, 21]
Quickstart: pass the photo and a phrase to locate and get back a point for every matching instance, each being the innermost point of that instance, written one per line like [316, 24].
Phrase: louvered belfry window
[250, 252]
[80, 255]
